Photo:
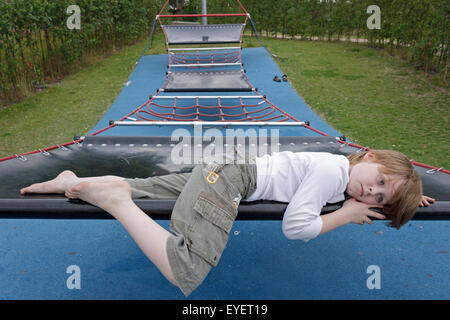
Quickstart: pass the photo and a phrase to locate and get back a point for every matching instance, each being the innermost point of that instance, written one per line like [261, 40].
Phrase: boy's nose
[373, 190]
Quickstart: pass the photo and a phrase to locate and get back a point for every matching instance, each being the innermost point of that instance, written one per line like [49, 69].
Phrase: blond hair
[408, 195]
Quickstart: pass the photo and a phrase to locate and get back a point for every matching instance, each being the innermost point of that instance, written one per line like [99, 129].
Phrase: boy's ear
[369, 156]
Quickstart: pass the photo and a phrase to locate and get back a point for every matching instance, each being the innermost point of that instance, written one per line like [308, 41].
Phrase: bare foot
[63, 181]
[105, 195]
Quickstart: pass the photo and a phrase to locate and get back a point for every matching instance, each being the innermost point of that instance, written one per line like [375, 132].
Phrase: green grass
[73, 106]
[374, 99]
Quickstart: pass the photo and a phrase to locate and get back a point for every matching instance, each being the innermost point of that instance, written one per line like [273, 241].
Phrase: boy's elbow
[303, 232]
[295, 233]
[288, 234]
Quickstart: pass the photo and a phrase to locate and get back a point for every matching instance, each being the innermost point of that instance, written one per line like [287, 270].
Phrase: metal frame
[201, 49]
[205, 123]
[205, 65]
[208, 90]
[207, 97]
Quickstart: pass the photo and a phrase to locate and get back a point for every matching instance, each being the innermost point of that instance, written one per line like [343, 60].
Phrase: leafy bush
[418, 29]
[36, 44]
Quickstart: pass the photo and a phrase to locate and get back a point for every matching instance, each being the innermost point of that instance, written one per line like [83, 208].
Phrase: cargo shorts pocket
[213, 220]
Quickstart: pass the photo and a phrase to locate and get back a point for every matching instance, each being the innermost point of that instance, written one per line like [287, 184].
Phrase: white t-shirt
[305, 180]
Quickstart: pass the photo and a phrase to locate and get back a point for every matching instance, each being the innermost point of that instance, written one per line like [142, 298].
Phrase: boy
[208, 198]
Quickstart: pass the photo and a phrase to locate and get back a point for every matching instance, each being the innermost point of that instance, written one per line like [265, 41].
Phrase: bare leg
[115, 198]
[64, 181]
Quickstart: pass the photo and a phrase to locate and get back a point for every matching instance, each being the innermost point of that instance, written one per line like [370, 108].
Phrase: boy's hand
[359, 212]
[426, 201]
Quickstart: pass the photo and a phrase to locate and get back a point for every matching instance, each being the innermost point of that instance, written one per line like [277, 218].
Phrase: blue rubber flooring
[259, 262]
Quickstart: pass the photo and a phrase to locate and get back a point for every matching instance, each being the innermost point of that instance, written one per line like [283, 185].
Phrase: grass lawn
[72, 106]
[374, 99]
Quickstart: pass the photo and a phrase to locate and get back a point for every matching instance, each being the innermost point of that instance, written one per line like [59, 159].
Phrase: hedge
[419, 30]
[36, 45]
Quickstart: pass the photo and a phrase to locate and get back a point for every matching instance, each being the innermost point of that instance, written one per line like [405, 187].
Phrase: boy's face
[367, 184]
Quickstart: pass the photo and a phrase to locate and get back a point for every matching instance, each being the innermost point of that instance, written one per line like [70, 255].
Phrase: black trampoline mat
[149, 156]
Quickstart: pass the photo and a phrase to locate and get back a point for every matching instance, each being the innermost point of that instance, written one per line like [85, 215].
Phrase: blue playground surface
[259, 262]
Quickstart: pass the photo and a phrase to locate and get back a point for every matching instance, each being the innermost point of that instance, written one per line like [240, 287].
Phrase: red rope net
[213, 109]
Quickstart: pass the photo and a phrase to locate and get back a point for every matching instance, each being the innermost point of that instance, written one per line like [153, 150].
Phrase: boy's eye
[381, 181]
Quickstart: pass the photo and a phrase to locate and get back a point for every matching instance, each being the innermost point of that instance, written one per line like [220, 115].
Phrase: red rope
[165, 4]
[419, 164]
[242, 7]
[74, 141]
[194, 116]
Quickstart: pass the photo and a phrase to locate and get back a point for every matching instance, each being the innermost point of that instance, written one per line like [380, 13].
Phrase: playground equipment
[205, 84]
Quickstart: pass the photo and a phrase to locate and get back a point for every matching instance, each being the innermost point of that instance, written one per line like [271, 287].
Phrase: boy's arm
[352, 211]
[356, 212]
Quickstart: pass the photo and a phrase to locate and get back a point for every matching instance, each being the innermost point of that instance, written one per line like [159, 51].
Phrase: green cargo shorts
[203, 215]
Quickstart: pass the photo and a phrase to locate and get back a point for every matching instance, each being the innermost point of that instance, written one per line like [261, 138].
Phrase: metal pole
[205, 123]
[206, 97]
[204, 11]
